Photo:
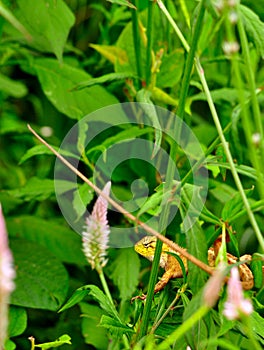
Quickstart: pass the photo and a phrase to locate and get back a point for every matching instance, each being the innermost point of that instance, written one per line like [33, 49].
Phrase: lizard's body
[146, 247]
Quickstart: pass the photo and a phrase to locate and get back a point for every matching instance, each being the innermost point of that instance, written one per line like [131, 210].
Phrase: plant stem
[174, 25]
[174, 301]
[150, 294]
[32, 341]
[105, 285]
[257, 160]
[149, 42]
[183, 328]
[190, 59]
[109, 296]
[136, 38]
[201, 160]
[248, 127]
[250, 76]
[255, 206]
[185, 12]
[7, 14]
[220, 343]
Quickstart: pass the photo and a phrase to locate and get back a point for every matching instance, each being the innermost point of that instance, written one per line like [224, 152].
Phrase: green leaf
[256, 267]
[158, 95]
[221, 191]
[171, 69]
[191, 203]
[125, 45]
[81, 198]
[196, 245]
[152, 204]
[196, 242]
[8, 15]
[35, 189]
[123, 3]
[113, 54]
[254, 28]
[82, 136]
[77, 296]
[41, 189]
[125, 42]
[179, 259]
[12, 87]
[97, 294]
[48, 22]
[241, 169]
[220, 155]
[41, 149]
[64, 339]
[143, 96]
[125, 135]
[58, 79]
[10, 123]
[114, 325]
[41, 280]
[107, 78]
[17, 321]
[103, 301]
[211, 30]
[10, 345]
[59, 240]
[234, 206]
[125, 272]
[210, 217]
[93, 335]
[257, 324]
[222, 344]
[203, 329]
[225, 94]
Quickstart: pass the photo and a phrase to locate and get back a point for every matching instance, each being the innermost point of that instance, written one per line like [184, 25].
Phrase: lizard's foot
[141, 297]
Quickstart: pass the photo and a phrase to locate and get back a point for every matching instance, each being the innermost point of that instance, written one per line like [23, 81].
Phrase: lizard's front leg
[164, 280]
[172, 270]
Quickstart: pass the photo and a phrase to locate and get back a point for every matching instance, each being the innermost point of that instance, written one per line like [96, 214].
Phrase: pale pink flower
[214, 285]
[96, 232]
[230, 47]
[7, 275]
[236, 305]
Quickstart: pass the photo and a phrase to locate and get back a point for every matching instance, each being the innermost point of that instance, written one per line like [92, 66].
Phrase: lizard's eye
[149, 245]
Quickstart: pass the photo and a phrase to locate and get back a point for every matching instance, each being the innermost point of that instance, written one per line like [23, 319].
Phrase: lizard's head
[146, 247]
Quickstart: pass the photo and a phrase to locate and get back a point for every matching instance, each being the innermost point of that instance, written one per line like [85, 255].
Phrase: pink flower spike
[236, 305]
[96, 232]
[213, 286]
[7, 275]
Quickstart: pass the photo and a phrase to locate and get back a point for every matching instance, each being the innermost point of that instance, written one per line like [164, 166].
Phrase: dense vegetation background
[60, 60]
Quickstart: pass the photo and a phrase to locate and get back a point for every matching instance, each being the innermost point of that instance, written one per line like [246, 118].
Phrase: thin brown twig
[117, 206]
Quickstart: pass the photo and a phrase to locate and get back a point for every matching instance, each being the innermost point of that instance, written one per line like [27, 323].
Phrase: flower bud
[7, 275]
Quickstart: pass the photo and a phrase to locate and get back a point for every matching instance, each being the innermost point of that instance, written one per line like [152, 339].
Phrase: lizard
[146, 247]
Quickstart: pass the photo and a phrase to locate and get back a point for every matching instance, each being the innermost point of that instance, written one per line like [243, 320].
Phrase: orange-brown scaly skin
[146, 247]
